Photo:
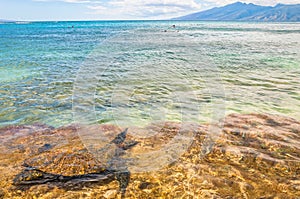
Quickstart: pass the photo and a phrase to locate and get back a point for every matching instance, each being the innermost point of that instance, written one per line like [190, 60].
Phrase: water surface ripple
[258, 64]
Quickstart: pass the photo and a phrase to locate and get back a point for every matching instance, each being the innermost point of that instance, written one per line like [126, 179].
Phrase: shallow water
[256, 156]
[175, 90]
[177, 76]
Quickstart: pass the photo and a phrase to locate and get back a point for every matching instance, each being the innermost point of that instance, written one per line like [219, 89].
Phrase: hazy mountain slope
[248, 12]
[6, 21]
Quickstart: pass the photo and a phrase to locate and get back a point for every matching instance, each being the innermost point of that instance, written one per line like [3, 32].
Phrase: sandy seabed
[256, 156]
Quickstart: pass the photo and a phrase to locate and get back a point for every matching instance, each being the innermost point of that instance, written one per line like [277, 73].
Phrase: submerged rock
[70, 168]
[256, 155]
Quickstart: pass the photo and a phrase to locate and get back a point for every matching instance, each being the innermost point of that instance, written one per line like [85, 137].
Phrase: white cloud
[156, 9]
[136, 9]
[150, 9]
[67, 1]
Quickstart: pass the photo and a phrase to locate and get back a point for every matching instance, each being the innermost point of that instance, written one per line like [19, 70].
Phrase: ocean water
[171, 87]
[135, 73]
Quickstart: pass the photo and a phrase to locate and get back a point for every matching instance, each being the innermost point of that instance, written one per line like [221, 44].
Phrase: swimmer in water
[173, 26]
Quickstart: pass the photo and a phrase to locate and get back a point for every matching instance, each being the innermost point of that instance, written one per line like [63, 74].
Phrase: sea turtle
[72, 167]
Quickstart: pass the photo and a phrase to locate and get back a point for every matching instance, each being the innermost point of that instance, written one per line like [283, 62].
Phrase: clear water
[138, 75]
[134, 73]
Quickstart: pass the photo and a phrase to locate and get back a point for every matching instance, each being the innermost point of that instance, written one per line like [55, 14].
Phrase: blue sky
[111, 9]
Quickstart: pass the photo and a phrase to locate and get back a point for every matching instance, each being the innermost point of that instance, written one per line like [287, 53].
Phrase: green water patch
[280, 62]
[14, 74]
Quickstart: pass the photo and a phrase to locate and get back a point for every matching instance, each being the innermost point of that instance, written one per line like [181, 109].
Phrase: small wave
[22, 22]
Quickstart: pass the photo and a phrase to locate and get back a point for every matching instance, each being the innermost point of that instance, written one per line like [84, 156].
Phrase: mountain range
[6, 21]
[248, 12]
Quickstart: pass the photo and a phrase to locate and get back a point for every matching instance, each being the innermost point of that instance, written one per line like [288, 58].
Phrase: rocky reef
[256, 156]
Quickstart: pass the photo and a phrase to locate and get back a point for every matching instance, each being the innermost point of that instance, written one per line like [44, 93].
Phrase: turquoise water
[135, 73]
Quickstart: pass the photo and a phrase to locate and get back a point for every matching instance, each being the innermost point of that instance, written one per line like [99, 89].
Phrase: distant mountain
[248, 12]
[6, 21]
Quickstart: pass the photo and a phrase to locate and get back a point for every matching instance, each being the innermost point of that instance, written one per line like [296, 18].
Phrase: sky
[55, 10]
